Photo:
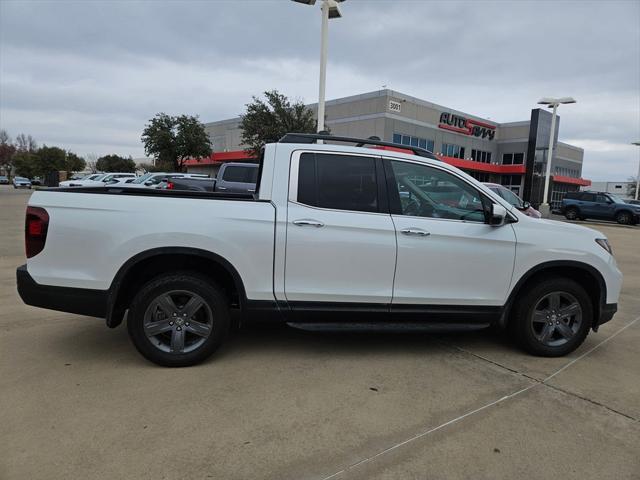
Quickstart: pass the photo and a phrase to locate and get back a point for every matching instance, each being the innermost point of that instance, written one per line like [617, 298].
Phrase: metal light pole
[638, 177]
[329, 9]
[323, 63]
[545, 207]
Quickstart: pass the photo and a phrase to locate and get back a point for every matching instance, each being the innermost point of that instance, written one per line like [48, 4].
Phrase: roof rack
[360, 142]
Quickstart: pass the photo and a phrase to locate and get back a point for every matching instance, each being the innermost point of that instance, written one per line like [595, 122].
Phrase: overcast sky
[87, 75]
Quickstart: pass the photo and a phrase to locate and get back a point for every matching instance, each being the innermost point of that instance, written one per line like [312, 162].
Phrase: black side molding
[82, 301]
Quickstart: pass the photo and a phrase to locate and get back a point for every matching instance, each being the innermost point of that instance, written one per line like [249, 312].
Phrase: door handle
[222, 188]
[308, 223]
[415, 231]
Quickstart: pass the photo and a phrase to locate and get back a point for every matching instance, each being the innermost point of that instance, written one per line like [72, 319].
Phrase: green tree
[115, 163]
[7, 152]
[26, 164]
[267, 121]
[173, 140]
[74, 163]
[49, 159]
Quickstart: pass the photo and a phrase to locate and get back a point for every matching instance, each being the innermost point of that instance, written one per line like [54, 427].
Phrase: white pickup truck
[334, 235]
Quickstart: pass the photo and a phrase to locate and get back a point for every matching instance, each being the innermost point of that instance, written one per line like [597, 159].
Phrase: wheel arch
[150, 263]
[586, 275]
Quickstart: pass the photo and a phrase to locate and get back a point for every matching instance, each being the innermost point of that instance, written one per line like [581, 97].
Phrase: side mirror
[525, 206]
[498, 215]
[148, 182]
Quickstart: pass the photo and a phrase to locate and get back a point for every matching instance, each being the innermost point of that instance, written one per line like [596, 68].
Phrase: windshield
[509, 196]
[98, 178]
[615, 198]
[21, 179]
[143, 178]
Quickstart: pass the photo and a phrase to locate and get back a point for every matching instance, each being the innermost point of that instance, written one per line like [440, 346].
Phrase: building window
[451, 150]
[413, 141]
[567, 172]
[480, 156]
[512, 158]
[480, 176]
[559, 190]
[512, 182]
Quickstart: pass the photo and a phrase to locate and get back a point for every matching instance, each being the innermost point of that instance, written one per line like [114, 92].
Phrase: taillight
[35, 230]
[170, 185]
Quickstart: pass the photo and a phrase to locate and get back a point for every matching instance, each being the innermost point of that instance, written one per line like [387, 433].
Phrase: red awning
[483, 167]
[219, 157]
[583, 182]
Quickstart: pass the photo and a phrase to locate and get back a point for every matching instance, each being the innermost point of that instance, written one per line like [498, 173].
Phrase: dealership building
[513, 154]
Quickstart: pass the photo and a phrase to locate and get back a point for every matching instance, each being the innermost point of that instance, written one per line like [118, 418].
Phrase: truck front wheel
[552, 318]
[179, 319]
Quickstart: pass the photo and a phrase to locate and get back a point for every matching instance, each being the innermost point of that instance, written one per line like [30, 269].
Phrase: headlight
[604, 243]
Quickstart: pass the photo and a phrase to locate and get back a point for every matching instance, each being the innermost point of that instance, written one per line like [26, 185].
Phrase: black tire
[571, 213]
[214, 305]
[523, 328]
[624, 218]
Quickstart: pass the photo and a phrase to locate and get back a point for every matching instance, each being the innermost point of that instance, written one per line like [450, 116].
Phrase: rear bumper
[82, 301]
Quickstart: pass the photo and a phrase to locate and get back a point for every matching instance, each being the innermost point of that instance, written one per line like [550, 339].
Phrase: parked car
[599, 205]
[237, 177]
[325, 239]
[156, 179]
[79, 182]
[515, 200]
[4, 180]
[633, 202]
[232, 178]
[21, 182]
[36, 181]
[100, 180]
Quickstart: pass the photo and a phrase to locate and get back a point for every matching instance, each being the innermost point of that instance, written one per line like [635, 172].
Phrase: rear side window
[588, 197]
[338, 182]
[240, 174]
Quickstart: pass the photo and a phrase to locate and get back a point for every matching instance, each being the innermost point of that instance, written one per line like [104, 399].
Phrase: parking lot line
[479, 409]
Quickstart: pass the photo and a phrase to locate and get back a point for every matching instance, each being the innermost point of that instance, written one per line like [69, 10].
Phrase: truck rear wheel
[552, 318]
[179, 319]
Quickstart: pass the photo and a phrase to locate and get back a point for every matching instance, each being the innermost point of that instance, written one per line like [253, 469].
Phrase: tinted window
[339, 182]
[240, 174]
[429, 192]
[588, 197]
[601, 199]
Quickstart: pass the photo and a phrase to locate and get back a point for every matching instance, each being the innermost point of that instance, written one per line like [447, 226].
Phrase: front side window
[430, 192]
[338, 182]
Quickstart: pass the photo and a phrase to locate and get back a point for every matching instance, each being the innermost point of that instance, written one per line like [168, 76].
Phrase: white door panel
[452, 263]
[349, 258]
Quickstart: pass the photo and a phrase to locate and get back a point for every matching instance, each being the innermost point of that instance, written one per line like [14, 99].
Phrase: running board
[399, 327]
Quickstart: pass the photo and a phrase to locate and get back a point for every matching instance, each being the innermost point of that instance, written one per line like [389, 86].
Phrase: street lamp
[638, 177]
[329, 9]
[545, 208]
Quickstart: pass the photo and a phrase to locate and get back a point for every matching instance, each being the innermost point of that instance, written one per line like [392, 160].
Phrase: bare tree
[26, 143]
[92, 161]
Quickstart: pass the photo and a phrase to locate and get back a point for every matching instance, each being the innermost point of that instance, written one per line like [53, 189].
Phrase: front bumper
[82, 301]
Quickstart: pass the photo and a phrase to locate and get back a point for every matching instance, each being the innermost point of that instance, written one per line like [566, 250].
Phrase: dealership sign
[467, 126]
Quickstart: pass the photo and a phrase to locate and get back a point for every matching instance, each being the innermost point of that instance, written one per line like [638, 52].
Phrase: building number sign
[394, 106]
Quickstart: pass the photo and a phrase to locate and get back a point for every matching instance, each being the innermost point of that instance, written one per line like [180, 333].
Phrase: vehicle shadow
[91, 341]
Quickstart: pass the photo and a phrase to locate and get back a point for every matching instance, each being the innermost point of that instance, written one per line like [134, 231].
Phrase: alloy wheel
[178, 321]
[556, 318]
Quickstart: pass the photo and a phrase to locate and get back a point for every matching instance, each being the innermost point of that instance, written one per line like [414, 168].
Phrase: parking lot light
[545, 207]
[329, 9]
